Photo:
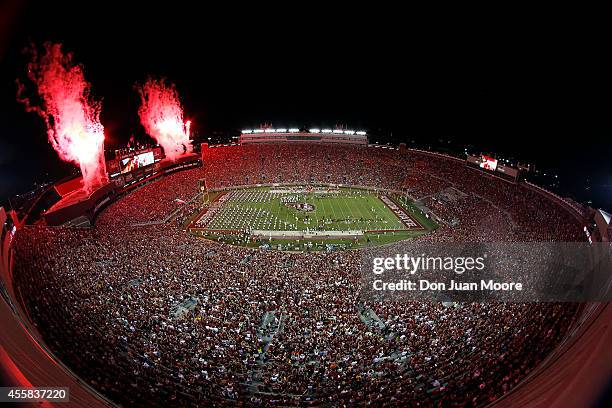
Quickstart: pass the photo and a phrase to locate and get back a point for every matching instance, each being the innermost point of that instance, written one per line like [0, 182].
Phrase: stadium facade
[63, 311]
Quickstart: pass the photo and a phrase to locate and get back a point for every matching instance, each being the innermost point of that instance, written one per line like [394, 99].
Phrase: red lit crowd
[105, 298]
[156, 200]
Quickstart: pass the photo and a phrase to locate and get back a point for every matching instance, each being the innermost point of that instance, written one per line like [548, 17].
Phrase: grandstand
[147, 313]
[326, 136]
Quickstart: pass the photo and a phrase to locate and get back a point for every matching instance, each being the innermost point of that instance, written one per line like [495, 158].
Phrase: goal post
[204, 190]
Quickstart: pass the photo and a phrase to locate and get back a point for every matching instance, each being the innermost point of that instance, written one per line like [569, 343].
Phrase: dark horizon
[536, 100]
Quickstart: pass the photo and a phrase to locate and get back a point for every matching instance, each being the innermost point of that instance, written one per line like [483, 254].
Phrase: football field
[301, 212]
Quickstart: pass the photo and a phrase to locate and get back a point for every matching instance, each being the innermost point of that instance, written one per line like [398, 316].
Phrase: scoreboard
[137, 161]
[134, 162]
[491, 164]
[129, 167]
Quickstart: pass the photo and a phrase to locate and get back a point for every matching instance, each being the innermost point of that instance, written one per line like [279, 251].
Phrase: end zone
[410, 222]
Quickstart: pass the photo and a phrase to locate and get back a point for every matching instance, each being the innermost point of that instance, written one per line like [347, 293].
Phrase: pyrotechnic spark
[71, 115]
[161, 114]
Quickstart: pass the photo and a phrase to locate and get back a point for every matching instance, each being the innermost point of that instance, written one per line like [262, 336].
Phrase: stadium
[229, 277]
[264, 206]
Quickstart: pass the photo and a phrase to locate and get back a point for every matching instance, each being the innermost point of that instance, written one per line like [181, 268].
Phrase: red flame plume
[71, 115]
[161, 114]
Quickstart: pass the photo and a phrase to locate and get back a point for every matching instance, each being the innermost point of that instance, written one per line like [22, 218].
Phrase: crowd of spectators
[102, 297]
[155, 200]
[303, 163]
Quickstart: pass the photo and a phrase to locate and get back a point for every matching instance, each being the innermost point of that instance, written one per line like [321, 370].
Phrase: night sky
[533, 94]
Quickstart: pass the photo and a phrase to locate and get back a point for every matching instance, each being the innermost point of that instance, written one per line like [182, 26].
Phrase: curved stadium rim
[588, 316]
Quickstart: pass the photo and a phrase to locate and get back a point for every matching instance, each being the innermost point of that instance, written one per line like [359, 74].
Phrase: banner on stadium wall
[119, 181]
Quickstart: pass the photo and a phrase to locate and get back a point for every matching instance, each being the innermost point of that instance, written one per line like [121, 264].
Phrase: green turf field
[311, 209]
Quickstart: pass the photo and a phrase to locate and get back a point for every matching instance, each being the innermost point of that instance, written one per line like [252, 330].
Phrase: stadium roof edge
[607, 216]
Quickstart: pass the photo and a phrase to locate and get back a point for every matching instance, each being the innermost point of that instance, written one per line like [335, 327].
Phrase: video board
[138, 161]
[487, 163]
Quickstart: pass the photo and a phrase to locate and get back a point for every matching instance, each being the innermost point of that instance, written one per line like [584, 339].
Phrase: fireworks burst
[161, 114]
[71, 115]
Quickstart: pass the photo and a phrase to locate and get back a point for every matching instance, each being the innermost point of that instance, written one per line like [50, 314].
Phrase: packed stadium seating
[278, 328]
